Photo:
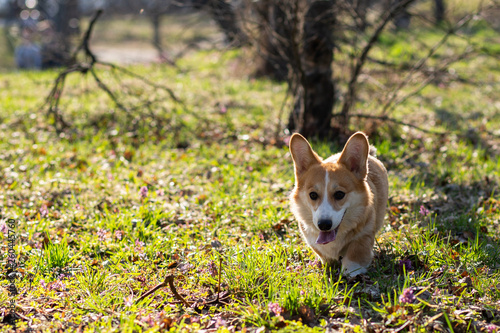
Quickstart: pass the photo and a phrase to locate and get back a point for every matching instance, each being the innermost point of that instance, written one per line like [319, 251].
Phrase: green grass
[7, 56]
[217, 209]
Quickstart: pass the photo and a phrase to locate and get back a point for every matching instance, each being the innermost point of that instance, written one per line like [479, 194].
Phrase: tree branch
[54, 97]
[423, 60]
[352, 86]
[86, 40]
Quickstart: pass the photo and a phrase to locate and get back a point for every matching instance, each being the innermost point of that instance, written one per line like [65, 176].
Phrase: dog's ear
[303, 155]
[355, 155]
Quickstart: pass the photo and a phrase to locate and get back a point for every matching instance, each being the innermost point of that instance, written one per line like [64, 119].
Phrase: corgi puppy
[340, 202]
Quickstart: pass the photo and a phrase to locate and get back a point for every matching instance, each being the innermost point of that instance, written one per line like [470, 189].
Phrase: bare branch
[86, 40]
[54, 97]
[352, 86]
[431, 76]
[423, 60]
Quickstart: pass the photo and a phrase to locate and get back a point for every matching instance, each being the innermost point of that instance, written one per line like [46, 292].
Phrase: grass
[93, 239]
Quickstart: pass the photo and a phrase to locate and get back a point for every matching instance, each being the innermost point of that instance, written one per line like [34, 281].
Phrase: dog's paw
[351, 268]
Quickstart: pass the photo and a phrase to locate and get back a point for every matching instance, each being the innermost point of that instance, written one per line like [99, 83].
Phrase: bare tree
[275, 30]
[297, 41]
[225, 16]
[84, 61]
[314, 97]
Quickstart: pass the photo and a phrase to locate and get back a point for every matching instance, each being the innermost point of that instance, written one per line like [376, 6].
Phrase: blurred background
[45, 31]
[334, 56]
[132, 31]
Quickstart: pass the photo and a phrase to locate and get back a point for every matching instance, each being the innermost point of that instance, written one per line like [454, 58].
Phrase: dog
[340, 202]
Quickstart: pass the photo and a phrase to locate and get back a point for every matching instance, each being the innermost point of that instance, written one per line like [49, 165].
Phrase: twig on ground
[220, 273]
[169, 280]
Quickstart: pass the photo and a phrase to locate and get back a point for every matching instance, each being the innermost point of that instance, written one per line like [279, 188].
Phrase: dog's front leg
[358, 256]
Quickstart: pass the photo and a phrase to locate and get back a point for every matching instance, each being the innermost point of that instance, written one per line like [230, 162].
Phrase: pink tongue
[326, 237]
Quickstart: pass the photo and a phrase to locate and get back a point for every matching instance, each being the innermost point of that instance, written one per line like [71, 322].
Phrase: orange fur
[362, 178]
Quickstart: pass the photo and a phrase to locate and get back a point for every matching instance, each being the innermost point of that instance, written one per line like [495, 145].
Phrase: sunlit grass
[216, 209]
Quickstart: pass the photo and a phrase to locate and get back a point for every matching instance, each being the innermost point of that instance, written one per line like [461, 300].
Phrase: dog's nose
[324, 225]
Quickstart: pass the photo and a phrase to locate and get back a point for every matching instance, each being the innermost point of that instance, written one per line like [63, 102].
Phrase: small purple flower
[119, 234]
[57, 285]
[102, 234]
[143, 192]
[148, 319]
[407, 296]
[220, 323]
[43, 284]
[275, 308]
[129, 300]
[492, 328]
[44, 211]
[424, 211]
[3, 228]
[315, 264]
[405, 264]
[138, 246]
[160, 192]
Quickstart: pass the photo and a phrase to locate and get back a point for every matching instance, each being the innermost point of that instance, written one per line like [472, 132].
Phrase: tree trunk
[156, 22]
[274, 41]
[224, 15]
[439, 9]
[314, 101]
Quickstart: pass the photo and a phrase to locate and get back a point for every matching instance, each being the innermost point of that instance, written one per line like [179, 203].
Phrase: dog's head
[325, 191]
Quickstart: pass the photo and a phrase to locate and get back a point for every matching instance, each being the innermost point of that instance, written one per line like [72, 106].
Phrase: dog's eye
[313, 195]
[339, 195]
